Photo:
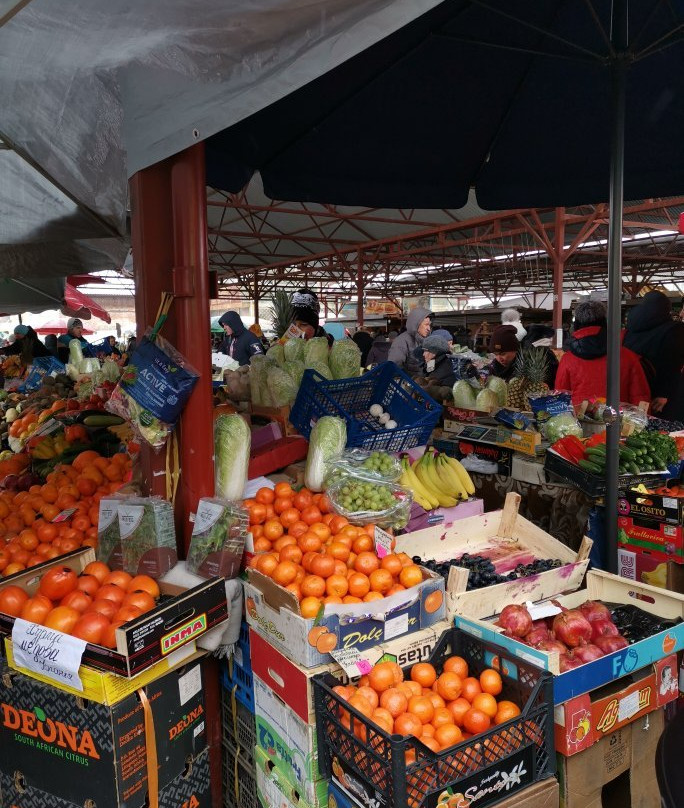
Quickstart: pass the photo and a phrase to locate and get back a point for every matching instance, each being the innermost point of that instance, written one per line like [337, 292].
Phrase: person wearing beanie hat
[505, 346]
[380, 348]
[436, 355]
[74, 331]
[305, 311]
[21, 330]
[444, 334]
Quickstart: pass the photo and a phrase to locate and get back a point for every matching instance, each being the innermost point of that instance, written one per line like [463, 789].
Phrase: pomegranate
[587, 653]
[537, 635]
[552, 645]
[611, 644]
[572, 628]
[595, 610]
[603, 628]
[568, 662]
[515, 620]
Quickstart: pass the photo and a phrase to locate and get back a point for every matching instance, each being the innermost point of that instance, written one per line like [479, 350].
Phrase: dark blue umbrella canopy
[511, 97]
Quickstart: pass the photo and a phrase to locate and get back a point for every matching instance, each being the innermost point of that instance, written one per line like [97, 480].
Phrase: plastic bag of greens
[555, 416]
[294, 350]
[148, 536]
[365, 501]
[281, 387]
[316, 350]
[296, 370]
[377, 465]
[218, 538]
[153, 389]
[345, 359]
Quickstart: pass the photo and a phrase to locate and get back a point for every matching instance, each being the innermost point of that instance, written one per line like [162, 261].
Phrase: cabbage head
[281, 386]
[559, 426]
[322, 368]
[345, 359]
[259, 367]
[500, 389]
[294, 350]
[464, 395]
[296, 369]
[316, 350]
[326, 442]
[486, 400]
[277, 353]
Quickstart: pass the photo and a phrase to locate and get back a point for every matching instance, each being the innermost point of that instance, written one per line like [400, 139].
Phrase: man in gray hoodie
[418, 326]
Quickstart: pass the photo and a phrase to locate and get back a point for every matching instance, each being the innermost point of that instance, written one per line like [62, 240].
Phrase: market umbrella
[76, 304]
[533, 103]
[57, 327]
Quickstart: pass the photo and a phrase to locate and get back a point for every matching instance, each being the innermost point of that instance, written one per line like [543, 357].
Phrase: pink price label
[64, 515]
[383, 542]
[364, 667]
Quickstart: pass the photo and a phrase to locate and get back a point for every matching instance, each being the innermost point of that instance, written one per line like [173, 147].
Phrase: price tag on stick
[383, 542]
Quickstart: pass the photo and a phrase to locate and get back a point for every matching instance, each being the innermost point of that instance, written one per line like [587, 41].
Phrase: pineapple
[280, 312]
[531, 367]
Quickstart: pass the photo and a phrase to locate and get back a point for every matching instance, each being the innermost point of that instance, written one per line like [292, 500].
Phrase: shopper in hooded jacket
[659, 341]
[401, 352]
[583, 367]
[239, 343]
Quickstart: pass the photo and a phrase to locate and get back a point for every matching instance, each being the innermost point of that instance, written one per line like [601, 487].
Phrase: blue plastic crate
[415, 412]
[238, 679]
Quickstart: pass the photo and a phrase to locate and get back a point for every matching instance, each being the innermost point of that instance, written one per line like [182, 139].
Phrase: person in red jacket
[582, 369]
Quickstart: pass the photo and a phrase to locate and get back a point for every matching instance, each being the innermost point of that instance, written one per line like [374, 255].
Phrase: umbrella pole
[619, 34]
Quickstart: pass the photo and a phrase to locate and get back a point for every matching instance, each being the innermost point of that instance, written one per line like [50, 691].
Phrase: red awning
[57, 327]
[76, 304]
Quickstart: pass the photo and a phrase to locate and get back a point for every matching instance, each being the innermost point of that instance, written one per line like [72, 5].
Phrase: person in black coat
[659, 341]
[365, 342]
[26, 345]
[438, 369]
[239, 343]
[379, 351]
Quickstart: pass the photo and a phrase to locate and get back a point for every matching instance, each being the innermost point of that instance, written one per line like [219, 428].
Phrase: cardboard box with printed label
[273, 611]
[662, 539]
[539, 795]
[81, 752]
[480, 457]
[583, 721]
[650, 568]
[275, 790]
[616, 772]
[508, 539]
[656, 507]
[292, 682]
[181, 616]
[611, 589]
[518, 440]
[289, 742]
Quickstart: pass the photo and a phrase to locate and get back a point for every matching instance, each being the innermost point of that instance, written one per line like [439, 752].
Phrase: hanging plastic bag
[153, 389]
[376, 465]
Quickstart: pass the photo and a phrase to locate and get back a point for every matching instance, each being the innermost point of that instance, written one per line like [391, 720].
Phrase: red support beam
[558, 267]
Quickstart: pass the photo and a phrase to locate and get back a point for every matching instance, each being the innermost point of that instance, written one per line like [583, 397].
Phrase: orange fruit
[441, 716]
[309, 542]
[321, 530]
[311, 515]
[487, 703]
[284, 573]
[362, 544]
[366, 562]
[370, 695]
[422, 707]
[423, 673]
[337, 585]
[313, 586]
[338, 550]
[456, 664]
[449, 686]
[394, 701]
[411, 575]
[471, 688]
[505, 711]
[265, 496]
[309, 606]
[458, 708]
[359, 584]
[490, 682]
[323, 565]
[372, 596]
[273, 529]
[383, 718]
[291, 553]
[476, 721]
[380, 580]
[283, 490]
[408, 724]
[382, 677]
[266, 563]
[448, 735]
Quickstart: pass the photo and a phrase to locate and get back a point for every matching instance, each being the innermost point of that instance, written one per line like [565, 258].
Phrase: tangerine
[448, 735]
[423, 673]
[422, 707]
[408, 724]
[476, 721]
[490, 682]
[410, 575]
[394, 701]
[456, 664]
[449, 686]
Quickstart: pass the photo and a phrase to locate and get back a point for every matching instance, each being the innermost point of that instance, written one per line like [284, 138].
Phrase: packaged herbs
[218, 538]
[108, 533]
[148, 536]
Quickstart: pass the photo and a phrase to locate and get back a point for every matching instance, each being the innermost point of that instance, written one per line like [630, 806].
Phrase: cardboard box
[518, 440]
[616, 772]
[610, 589]
[292, 683]
[79, 751]
[650, 568]
[657, 507]
[583, 721]
[182, 616]
[539, 795]
[504, 536]
[488, 458]
[289, 743]
[273, 611]
[275, 790]
[662, 539]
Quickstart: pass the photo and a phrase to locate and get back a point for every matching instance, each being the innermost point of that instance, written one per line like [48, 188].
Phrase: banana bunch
[657, 577]
[436, 480]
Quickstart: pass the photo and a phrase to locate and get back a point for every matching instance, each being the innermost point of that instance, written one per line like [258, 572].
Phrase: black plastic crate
[415, 412]
[239, 725]
[390, 771]
[239, 780]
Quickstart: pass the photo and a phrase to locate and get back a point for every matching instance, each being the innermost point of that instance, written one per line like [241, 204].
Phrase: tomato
[144, 583]
[97, 568]
[36, 609]
[106, 607]
[58, 582]
[88, 584]
[108, 638]
[76, 599]
[62, 618]
[140, 600]
[12, 600]
[90, 627]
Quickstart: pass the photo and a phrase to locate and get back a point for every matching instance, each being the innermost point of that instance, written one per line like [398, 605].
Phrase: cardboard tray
[274, 612]
[656, 507]
[182, 616]
[508, 530]
[610, 589]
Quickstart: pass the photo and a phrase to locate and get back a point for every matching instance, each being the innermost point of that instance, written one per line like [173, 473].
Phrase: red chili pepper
[596, 439]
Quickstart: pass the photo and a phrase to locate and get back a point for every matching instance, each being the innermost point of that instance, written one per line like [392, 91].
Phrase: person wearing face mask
[305, 314]
[439, 369]
[401, 352]
[506, 349]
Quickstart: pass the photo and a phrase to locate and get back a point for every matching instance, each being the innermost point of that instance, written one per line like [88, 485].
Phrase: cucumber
[102, 420]
[627, 453]
[593, 468]
[600, 448]
[634, 469]
[596, 457]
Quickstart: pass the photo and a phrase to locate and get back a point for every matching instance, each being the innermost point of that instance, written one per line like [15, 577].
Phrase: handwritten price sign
[47, 652]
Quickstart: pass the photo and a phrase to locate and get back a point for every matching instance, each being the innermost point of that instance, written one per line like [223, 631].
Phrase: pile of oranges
[90, 606]
[317, 555]
[28, 534]
[441, 710]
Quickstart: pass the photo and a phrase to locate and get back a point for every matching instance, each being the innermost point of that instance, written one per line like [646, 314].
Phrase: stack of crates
[239, 727]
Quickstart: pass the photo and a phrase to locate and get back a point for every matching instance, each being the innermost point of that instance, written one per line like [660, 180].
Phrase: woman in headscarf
[26, 345]
[305, 311]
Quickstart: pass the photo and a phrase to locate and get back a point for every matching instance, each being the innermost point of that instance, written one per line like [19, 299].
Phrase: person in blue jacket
[74, 331]
[239, 343]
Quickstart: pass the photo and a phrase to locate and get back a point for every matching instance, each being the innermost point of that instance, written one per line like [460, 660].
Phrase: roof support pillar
[558, 268]
[359, 289]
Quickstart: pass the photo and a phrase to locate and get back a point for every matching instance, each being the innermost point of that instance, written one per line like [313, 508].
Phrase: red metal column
[359, 290]
[558, 267]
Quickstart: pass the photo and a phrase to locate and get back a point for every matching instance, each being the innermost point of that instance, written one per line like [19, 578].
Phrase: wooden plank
[509, 515]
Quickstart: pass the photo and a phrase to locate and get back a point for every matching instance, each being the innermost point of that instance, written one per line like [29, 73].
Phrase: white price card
[47, 652]
[383, 542]
[356, 663]
[540, 610]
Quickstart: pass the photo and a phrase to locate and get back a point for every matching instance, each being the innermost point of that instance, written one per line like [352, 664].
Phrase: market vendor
[239, 343]
[401, 352]
[505, 346]
[305, 314]
[74, 331]
[26, 345]
[438, 367]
